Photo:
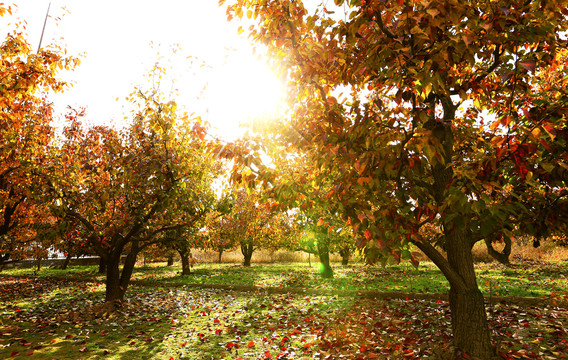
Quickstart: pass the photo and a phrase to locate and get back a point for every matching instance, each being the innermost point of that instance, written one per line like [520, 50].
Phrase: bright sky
[115, 37]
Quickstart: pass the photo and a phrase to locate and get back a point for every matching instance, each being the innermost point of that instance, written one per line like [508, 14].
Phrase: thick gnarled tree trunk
[117, 281]
[469, 319]
[468, 316]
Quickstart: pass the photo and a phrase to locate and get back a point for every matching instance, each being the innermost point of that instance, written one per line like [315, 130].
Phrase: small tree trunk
[503, 256]
[310, 259]
[184, 254]
[326, 271]
[170, 260]
[345, 253]
[102, 265]
[220, 254]
[128, 268]
[247, 249]
[38, 264]
[66, 262]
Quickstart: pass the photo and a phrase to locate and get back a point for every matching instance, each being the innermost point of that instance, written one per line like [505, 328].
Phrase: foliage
[254, 223]
[26, 113]
[128, 190]
[411, 144]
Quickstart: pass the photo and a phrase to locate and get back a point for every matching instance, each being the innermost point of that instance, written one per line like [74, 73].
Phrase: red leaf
[14, 354]
[528, 65]
[250, 344]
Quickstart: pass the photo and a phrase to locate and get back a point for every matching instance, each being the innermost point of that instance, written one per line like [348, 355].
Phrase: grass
[52, 318]
[536, 280]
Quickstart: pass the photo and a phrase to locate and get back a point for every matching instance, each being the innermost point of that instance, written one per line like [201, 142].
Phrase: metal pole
[43, 30]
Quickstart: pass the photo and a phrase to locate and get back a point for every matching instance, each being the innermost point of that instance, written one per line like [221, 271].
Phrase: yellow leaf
[249, 14]
[433, 12]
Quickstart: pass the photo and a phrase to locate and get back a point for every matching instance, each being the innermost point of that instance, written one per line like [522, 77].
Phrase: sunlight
[240, 90]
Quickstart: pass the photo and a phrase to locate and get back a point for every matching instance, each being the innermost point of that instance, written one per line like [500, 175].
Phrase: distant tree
[254, 223]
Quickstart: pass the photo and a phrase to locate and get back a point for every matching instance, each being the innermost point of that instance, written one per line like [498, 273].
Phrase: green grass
[536, 280]
[61, 319]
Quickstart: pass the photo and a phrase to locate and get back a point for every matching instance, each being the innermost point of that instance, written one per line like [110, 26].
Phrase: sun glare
[239, 91]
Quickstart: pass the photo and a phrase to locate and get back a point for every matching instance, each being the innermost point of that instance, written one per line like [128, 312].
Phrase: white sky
[115, 38]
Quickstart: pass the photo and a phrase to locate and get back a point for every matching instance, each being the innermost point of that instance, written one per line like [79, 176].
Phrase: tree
[128, 189]
[454, 117]
[255, 222]
[25, 132]
[219, 233]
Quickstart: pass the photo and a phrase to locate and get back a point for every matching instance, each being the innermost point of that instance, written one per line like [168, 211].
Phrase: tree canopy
[441, 115]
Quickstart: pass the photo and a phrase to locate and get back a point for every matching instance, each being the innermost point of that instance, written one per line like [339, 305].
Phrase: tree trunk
[113, 291]
[128, 268]
[247, 249]
[220, 254]
[503, 256]
[66, 262]
[345, 253]
[116, 281]
[184, 253]
[468, 316]
[326, 271]
[170, 260]
[102, 265]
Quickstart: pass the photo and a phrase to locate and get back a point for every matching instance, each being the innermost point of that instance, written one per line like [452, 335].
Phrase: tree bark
[503, 256]
[113, 292]
[116, 281]
[247, 249]
[345, 253]
[469, 319]
[220, 254]
[66, 262]
[128, 268]
[326, 271]
[184, 253]
[170, 260]
[468, 316]
[102, 265]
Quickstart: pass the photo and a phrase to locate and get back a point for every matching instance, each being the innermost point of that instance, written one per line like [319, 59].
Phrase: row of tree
[116, 193]
[415, 123]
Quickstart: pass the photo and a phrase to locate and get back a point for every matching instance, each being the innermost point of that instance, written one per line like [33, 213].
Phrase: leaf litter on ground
[67, 320]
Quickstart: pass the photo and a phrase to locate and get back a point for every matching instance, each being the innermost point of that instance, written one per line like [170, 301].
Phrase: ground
[164, 317]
